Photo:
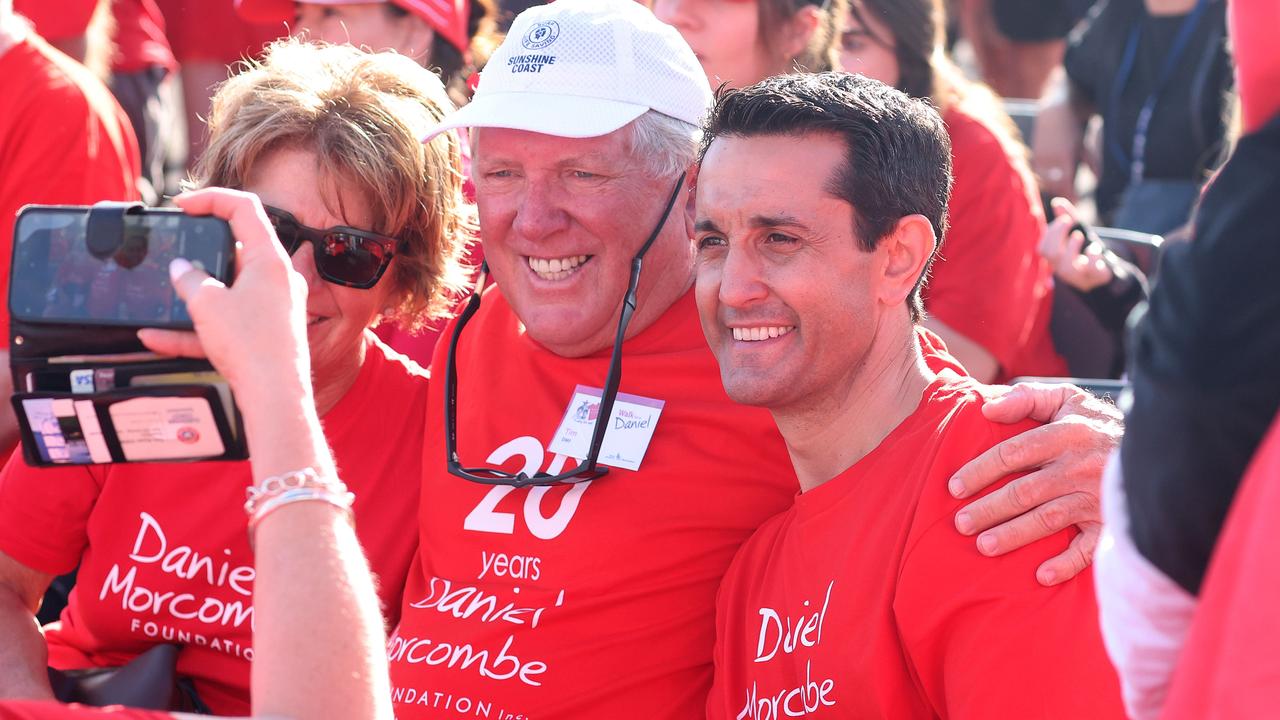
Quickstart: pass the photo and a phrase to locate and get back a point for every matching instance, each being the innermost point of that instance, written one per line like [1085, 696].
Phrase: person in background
[1187, 576]
[1018, 44]
[453, 36]
[63, 140]
[142, 72]
[741, 41]
[207, 37]
[377, 229]
[990, 295]
[1158, 74]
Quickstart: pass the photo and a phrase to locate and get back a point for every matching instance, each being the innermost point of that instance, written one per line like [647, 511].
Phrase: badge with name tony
[630, 428]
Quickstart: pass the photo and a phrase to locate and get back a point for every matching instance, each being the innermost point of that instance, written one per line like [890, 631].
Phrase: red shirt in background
[140, 37]
[989, 282]
[63, 20]
[63, 141]
[163, 551]
[1253, 26]
[862, 600]
[212, 31]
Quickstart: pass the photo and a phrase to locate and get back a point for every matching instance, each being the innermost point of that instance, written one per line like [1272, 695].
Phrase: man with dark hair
[821, 203]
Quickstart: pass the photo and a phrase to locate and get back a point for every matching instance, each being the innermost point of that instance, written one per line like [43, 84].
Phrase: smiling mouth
[764, 332]
[557, 268]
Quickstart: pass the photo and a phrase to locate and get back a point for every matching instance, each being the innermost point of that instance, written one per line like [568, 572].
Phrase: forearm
[24, 657]
[319, 642]
[980, 364]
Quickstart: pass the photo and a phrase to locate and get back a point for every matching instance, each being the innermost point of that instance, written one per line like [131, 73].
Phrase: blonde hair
[362, 115]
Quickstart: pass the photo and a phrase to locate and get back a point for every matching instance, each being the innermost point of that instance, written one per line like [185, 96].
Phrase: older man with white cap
[577, 518]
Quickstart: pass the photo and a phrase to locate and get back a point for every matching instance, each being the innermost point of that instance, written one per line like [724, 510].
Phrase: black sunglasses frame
[588, 469]
[302, 233]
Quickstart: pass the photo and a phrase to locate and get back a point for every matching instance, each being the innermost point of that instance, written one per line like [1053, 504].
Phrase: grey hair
[666, 146]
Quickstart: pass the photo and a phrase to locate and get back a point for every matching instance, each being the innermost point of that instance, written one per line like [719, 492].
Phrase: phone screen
[56, 279]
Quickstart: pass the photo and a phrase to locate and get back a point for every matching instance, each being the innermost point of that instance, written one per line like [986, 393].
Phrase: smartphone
[59, 275]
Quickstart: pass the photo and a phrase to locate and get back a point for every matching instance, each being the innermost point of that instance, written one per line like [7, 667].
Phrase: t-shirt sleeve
[987, 280]
[987, 641]
[44, 514]
[48, 710]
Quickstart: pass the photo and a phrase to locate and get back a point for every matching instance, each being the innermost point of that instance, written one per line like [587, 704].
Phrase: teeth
[556, 268]
[755, 334]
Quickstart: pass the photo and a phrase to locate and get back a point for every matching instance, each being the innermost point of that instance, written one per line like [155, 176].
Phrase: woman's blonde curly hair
[362, 115]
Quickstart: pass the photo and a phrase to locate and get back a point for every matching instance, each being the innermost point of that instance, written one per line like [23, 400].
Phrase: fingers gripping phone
[64, 273]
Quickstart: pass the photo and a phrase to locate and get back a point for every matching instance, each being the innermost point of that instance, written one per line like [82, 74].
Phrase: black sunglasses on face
[344, 255]
[587, 469]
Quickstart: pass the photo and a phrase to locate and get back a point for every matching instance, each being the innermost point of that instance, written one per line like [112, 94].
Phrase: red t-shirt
[140, 38]
[63, 20]
[862, 600]
[989, 282]
[588, 601]
[1228, 665]
[63, 140]
[163, 551]
[1253, 25]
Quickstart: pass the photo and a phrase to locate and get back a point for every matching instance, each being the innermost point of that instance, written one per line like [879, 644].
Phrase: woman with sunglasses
[375, 221]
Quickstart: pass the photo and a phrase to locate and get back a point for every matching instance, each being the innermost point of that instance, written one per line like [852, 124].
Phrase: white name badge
[629, 432]
[166, 428]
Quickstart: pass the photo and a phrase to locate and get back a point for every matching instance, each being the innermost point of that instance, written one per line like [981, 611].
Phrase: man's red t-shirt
[862, 600]
[163, 551]
[594, 600]
[63, 141]
[989, 282]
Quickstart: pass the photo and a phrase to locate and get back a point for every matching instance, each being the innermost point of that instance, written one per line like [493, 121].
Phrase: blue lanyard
[1137, 159]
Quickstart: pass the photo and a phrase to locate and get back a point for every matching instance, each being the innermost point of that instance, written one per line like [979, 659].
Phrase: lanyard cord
[1136, 160]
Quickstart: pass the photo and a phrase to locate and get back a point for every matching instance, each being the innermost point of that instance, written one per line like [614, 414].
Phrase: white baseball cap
[584, 68]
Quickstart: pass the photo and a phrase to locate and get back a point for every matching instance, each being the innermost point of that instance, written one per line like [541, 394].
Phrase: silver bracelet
[342, 501]
[277, 484]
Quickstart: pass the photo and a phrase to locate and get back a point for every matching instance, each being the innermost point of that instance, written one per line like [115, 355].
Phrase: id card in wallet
[166, 428]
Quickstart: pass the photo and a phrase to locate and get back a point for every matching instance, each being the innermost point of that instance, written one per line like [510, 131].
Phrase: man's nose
[741, 279]
[541, 212]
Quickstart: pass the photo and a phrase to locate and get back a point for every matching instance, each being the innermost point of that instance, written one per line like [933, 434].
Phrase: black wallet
[89, 394]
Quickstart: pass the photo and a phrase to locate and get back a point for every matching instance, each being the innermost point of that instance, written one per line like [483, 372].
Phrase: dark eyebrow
[705, 225]
[771, 221]
[757, 221]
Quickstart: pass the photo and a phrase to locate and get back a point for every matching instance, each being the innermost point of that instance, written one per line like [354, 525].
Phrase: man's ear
[799, 31]
[691, 202]
[907, 249]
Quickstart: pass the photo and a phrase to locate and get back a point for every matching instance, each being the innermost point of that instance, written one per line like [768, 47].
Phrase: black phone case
[32, 345]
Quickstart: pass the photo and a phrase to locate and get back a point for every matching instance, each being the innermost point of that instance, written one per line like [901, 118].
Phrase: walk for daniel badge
[630, 428]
